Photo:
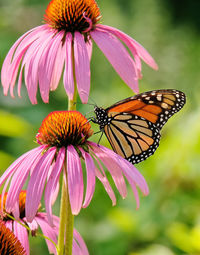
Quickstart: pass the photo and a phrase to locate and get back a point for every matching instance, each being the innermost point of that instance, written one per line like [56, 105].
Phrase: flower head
[64, 146]
[9, 244]
[40, 220]
[65, 42]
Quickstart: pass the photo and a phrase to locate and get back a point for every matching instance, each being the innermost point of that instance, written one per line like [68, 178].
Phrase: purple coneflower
[64, 147]
[65, 42]
[40, 220]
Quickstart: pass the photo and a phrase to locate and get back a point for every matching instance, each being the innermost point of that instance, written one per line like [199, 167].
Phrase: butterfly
[133, 125]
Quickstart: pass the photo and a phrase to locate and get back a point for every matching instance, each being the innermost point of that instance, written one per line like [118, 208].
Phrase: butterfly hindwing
[135, 140]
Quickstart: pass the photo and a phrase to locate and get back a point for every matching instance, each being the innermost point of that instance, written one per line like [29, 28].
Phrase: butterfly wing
[132, 137]
[134, 124]
[156, 106]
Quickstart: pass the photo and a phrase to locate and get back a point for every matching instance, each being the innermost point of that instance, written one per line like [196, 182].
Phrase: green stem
[69, 225]
[61, 236]
[65, 238]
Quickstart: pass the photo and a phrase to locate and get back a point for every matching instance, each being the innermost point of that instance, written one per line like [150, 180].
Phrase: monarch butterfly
[133, 125]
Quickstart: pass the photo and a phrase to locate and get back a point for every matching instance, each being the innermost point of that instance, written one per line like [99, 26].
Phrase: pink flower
[64, 146]
[40, 220]
[65, 42]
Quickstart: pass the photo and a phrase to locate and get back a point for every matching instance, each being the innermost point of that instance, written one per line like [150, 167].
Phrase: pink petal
[135, 192]
[9, 224]
[37, 182]
[22, 234]
[14, 166]
[133, 45]
[26, 38]
[102, 177]
[58, 67]
[113, 167]
[53, 65]
[41, 65]
[48, 230]
[68, 74]
[75, 179]
[36, 55]
[132, 174]
[118, 56]
[90, 168]
[81, 243]
[89, 48]
[82, 67]
[129, 170]
[20, 52]
[32, 225]
[52, 182]
[20, 177]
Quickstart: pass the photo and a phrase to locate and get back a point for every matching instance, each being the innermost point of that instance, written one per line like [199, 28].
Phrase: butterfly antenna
[94, 103]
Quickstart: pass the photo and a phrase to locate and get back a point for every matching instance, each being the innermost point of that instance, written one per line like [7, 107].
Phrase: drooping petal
[89, 48]
[37, 182]
[75, 179]
[133, 176]
[20, 177]
[118, 56]
[53, 65]
[82, 67]
[58, 67]
[130, 171]
[113, 167]
[27, 52]
[22, 234]
[42, 55]
[14, 54]
[135, 191]
[14, 166]
[90, 168]
[52, 182]
[34, 69]
[68, 74]
[103, 179]
[81, 243]
[132, 44]
[48, 230]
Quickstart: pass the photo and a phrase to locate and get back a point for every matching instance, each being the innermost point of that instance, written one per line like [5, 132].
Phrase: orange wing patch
[128, 106]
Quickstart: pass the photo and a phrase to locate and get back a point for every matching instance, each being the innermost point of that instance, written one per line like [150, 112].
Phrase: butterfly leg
[100, 136]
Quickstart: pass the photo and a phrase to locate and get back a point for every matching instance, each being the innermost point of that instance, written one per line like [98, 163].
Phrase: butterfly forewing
[133, 125]
[156, 106]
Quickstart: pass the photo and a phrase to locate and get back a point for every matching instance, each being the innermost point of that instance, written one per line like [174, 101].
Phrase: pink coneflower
[9, 244]
[40, 220]
[65, 42]
[64, 146]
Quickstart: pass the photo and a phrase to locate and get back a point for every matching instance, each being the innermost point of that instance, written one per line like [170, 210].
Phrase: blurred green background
[168, 221]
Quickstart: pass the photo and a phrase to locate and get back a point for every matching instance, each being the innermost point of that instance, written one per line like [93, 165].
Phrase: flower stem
[65, 238]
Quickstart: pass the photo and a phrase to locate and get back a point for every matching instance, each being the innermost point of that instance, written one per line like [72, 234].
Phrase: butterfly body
[133, 125]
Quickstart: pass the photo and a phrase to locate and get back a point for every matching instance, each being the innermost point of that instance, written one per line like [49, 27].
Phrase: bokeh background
[168, 221]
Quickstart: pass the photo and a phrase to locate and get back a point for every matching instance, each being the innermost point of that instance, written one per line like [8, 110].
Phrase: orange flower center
[22, 200]
[9, 244]
[63, 128]
[72, 15]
